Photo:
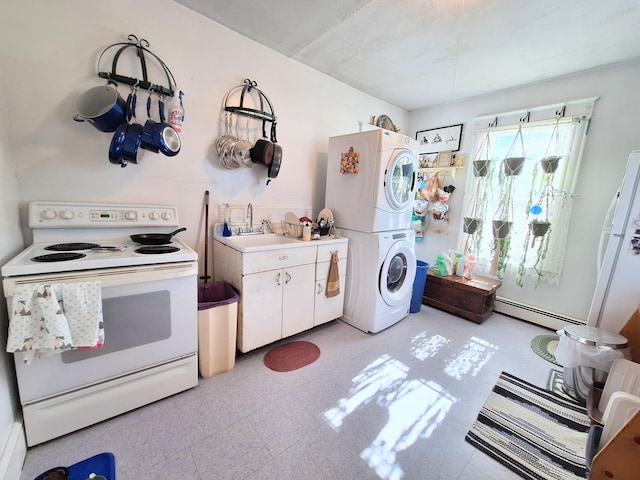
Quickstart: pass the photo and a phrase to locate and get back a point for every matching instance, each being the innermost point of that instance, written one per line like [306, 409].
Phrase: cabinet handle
[319, 288]
[284, 257]
[288, 278]
[278, 279]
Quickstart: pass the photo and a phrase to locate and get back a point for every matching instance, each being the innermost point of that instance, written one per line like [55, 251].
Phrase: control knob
[66, 214]
[167, 216]
[48, 214]
[130, 215]
[154, 216]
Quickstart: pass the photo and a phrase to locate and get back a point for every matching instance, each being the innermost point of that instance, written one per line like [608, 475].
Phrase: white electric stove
[149, 303]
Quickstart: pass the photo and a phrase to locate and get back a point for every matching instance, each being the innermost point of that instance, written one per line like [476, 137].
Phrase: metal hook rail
[141, 47]
[246, 89]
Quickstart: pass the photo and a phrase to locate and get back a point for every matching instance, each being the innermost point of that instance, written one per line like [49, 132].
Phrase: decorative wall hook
[141, 47]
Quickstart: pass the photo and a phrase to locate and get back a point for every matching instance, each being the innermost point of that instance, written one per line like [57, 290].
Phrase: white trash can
[217, 325]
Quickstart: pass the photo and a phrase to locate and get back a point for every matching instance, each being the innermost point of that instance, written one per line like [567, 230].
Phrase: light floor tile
[396, 404]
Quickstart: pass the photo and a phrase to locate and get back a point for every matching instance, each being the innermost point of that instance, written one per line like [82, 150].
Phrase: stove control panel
[97, 215]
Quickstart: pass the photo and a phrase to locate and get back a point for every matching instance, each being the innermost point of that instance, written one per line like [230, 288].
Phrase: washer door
[400, 179]
[395, 281]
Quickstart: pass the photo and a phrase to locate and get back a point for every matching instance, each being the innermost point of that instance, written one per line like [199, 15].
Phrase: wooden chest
[471, 299]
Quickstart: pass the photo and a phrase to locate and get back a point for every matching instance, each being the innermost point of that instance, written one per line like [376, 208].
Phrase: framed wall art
[442, 139]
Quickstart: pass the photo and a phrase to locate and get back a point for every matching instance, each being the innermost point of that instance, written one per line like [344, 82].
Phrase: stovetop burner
[67, 247]
[58, 257]
[154, 249]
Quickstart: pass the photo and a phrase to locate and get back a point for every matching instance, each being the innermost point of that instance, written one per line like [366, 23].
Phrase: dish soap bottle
[306, 232]
[226, 229]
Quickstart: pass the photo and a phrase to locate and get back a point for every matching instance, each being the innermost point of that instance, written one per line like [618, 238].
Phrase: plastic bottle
[226, 230]
[460, 266]
[176, 112]
[306, 232]
[469, 266]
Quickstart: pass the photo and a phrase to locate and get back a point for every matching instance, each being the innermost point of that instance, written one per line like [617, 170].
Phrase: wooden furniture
[619, 458]
[471, 299]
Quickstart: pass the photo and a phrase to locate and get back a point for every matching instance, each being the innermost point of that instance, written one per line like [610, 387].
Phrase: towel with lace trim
[52, 318]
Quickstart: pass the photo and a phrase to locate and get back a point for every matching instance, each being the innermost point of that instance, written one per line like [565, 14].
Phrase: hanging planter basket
[539, 228]
[550, 164]
[513, 165]
[481, 168]
[501, 228]
[471, 225]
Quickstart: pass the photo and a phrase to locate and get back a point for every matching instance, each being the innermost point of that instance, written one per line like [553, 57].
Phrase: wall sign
[440, 139]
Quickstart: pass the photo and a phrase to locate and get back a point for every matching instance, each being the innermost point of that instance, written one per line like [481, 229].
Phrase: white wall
[51, 61]
[11, 242]
[48, 54]
[613, 134]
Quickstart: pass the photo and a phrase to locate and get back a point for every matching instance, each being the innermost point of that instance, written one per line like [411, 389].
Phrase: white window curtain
[525, 256]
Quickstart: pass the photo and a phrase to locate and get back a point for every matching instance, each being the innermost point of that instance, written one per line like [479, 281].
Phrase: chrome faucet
[268, 224]
[250, 217]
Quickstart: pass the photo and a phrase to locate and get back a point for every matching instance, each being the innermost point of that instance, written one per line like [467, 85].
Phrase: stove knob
[66, 214]
[167, 216]
[154, 216]
[48, 214]
[130, 216]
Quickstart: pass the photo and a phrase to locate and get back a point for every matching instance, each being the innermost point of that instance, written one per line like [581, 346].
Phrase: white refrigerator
[617, 293]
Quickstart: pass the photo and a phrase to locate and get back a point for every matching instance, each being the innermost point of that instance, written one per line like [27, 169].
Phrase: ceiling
[420, 53]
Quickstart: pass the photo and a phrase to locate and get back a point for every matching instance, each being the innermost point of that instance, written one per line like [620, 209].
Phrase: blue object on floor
[418, 286]
[102, 464]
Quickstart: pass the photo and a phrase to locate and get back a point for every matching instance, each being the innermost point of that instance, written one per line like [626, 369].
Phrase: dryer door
[395, 281]
[400, 179]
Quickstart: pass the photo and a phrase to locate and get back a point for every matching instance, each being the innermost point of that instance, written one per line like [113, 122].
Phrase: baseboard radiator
[535, 315]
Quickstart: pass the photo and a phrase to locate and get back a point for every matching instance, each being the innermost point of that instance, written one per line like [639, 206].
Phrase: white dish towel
[53, 318]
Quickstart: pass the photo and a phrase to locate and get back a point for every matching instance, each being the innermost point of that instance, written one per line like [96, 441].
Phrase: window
[528, 250]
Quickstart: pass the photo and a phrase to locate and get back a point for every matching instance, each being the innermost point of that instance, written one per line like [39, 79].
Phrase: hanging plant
[540, 228]
[481, 167]
[550, 164]
[512, 163]
[502, 222]
[475, 211]
[541, 252]
[471, 225]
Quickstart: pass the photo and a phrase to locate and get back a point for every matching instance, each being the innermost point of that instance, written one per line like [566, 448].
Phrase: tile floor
[392, 405]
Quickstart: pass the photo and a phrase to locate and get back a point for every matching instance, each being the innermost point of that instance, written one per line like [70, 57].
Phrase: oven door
[150, 318]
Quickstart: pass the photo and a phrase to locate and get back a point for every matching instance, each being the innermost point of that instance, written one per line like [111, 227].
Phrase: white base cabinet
[329, 308]
[282, 291]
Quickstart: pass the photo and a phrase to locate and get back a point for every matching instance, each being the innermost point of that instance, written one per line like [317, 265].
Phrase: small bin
[418, 286]
[586, 354]
[217, 325]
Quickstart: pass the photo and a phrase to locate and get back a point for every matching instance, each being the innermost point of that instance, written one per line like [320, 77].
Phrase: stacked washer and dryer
[371, 184]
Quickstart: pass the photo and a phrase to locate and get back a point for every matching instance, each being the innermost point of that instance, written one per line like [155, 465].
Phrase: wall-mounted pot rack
[266, 113]
[141, 48]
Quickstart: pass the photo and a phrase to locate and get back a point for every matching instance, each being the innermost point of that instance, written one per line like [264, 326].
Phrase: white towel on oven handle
[53, 318]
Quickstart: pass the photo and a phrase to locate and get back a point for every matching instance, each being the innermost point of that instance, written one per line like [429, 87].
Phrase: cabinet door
[297, 299]
[327, 309]
[261, 309]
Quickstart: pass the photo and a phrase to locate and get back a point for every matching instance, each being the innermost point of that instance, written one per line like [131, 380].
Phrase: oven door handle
[109, 277]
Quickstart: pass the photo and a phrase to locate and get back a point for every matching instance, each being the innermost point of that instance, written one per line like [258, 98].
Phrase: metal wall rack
[141, 48]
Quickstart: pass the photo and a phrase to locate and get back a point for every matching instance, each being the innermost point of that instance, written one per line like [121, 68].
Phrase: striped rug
[532, 431]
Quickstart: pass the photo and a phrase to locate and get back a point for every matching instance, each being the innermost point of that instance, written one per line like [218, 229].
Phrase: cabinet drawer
[273, 259]
[324, 251]
[322, 269]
